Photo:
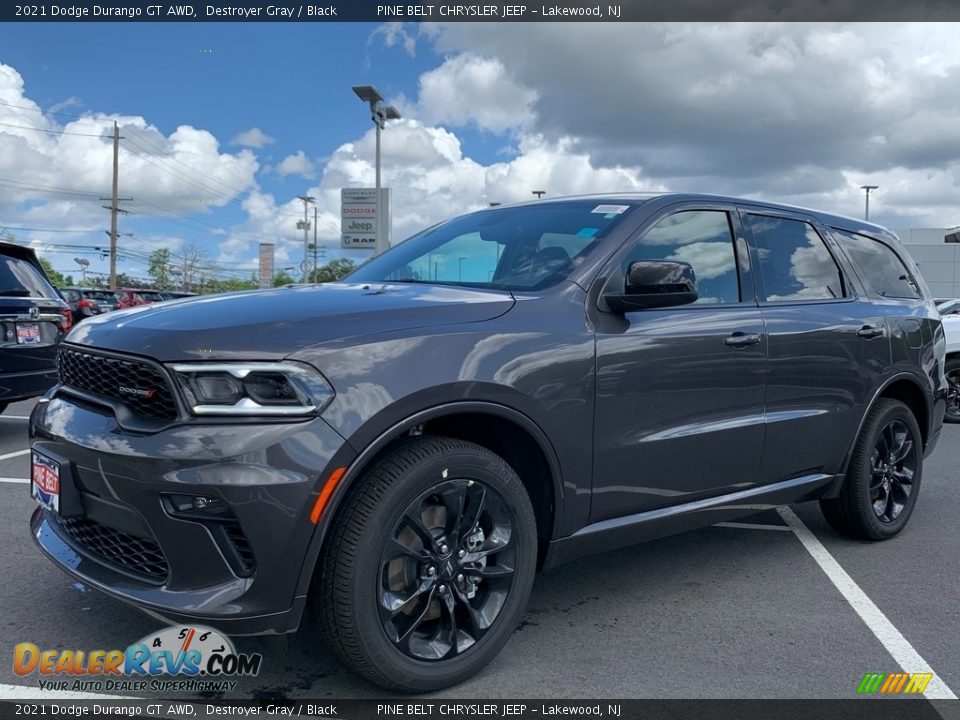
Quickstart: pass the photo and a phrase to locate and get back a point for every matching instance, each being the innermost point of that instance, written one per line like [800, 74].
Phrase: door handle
[741, 340]
[871, 331]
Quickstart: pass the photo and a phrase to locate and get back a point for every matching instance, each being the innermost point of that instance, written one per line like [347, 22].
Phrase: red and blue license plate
[28, 334]
[45, 481]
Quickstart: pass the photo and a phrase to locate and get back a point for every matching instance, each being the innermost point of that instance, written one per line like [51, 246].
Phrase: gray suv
[501, 393]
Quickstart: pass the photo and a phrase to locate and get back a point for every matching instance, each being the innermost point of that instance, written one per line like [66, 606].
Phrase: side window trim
[748, 291]
[850, 292]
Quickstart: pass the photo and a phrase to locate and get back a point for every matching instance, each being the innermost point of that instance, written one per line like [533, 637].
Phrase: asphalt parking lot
[748, 610]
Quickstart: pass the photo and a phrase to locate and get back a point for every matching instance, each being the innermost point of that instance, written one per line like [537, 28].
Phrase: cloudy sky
[224, 125]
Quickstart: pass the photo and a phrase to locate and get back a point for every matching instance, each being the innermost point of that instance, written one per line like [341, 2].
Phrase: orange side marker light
[325, 494]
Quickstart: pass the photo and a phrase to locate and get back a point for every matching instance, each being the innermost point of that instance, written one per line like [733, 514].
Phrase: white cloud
[252, 138]
[396, 34]
[777, 110]
[469, 89]
[296, 164]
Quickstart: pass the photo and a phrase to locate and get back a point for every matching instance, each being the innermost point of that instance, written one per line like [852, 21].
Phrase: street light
[460, 273]
[379, 113]
[538, 193]
[84, 264]
[866, 206]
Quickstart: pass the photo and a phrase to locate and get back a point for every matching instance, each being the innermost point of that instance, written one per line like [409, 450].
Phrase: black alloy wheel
[882, 481]
[428, 564]
[447, 569]
[893, 464]
[952, 371]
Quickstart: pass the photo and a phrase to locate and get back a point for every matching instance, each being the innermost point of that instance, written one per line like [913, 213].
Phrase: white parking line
[18, 453]
[753, 526]
[21, 481]
[23, 692]
[896, 644]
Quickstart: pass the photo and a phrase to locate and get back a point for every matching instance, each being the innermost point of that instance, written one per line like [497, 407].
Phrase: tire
[368, 565]
[889, 430]
[952, 370]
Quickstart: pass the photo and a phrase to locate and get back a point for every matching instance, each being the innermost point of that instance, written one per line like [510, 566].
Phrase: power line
[44, 188]
[55, 132]
[44, 112]
[52, 230]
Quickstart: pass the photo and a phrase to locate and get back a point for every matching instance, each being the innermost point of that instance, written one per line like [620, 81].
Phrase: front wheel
[429, 565]
[883, 479]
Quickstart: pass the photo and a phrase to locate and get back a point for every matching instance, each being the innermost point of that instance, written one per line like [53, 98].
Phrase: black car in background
[87, 302]
[501, 393]
[33, 320]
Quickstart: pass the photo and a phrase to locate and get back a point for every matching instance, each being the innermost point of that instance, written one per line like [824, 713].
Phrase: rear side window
[701, 238]
[881, 268]
[19, 278]
[795, 264]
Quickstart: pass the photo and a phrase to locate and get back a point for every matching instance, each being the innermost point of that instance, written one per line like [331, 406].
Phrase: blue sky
[292, 82]
[226, 124]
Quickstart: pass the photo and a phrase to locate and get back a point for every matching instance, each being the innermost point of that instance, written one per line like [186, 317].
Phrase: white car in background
[950, 313]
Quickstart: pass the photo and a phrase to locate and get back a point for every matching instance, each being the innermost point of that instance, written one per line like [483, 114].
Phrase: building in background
[937, 253]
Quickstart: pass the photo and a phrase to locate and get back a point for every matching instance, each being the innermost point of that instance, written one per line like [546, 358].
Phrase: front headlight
[249, 389]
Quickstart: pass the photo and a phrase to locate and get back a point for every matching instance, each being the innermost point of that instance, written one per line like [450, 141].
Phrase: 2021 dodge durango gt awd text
[503, 392]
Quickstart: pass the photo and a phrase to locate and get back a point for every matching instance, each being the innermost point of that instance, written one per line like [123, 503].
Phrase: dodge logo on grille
[139, 392]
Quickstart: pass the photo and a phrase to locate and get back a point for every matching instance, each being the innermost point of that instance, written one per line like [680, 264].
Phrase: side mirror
[654, 284]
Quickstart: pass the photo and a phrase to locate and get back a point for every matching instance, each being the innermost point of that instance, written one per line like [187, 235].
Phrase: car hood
[272, 324]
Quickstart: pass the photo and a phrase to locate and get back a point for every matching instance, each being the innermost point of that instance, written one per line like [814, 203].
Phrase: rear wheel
[429, 565]
[952, 371]
[883, 480]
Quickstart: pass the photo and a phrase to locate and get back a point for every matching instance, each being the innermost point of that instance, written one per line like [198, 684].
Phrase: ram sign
[358, 217]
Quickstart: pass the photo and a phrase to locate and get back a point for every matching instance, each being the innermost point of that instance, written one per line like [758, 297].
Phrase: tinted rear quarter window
[21, 278]
[795, 264]
[882, 270]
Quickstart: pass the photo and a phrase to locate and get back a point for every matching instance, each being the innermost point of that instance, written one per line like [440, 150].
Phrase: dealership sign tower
[361, 226]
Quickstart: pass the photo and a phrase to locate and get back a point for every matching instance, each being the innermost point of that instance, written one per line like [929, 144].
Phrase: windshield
[529, 247]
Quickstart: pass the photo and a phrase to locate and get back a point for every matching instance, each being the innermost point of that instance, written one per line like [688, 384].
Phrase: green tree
[334, 270]
[159, 268]
[282, 277]
[56, 277]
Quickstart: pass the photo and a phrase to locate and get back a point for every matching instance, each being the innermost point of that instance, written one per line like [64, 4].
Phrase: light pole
[305, 266]
[538, 193]
[460, 273]
[379, 113]
[866, 205]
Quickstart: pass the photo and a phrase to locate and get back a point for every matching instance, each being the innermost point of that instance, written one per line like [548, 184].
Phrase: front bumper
[119, 533]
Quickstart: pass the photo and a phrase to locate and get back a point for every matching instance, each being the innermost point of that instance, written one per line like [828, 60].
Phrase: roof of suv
[844, 221]
[20, 251]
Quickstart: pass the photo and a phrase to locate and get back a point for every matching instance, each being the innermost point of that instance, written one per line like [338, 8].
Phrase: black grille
[104, 376]
[140, 556]
[241, 545]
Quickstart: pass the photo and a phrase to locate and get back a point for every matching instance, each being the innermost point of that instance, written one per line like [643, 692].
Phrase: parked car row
[35, 316]
[87, 302]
